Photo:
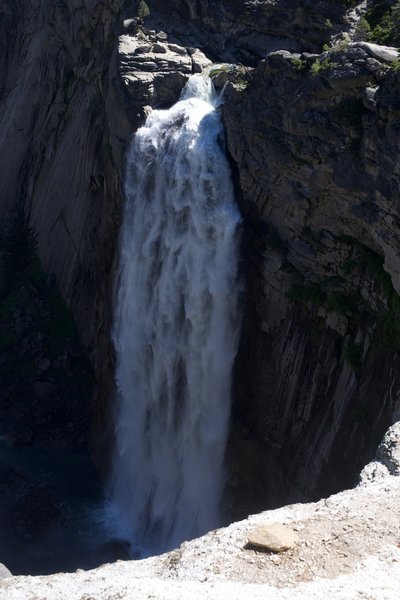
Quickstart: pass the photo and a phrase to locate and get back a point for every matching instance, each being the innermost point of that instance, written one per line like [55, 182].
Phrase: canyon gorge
[309, 112]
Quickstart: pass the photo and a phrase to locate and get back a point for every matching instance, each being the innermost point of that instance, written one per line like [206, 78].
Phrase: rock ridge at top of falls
[154, 70]
[348, 546]
[237, 31]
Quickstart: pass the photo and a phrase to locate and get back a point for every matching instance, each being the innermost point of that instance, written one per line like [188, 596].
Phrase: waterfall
[176, 324]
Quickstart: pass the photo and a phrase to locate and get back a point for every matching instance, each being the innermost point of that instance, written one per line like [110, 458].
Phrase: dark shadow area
[50, 500]
[50, 494]
[309, 407]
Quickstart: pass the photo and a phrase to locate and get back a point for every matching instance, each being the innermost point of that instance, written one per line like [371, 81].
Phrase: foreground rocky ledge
[349, 546]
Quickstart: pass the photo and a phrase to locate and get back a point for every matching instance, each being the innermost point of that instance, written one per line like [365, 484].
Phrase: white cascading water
[176, 325]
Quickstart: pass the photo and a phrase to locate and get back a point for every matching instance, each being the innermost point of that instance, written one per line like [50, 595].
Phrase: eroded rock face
[238, 31]
[154, 70]
[314, 145]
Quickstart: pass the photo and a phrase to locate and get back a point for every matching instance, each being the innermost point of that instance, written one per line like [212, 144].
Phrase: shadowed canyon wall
[317, 374]
[313, 141]
[62, 139]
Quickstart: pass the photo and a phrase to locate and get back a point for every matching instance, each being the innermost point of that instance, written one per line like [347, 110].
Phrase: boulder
[384, 53]
[4, 572]
[272, 537]
[389, 450]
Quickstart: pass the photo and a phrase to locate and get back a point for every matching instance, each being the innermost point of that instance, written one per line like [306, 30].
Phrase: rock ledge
[349, 546]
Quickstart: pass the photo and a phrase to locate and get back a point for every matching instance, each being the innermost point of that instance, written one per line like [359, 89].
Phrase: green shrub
[238, 75]
[384, 21]
[341, 46]
[323, 65]
[143, 9]
[395, 65]
[374, 264]
[387, 331]
[345, 303]
[363, 30]
[298, 63]
[348, 266]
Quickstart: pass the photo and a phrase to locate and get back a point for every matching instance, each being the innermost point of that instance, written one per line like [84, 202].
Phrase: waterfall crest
[176, 324]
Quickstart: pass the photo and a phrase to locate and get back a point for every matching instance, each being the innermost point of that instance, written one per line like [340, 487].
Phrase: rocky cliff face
[318, 172]
[237, 31]
[62, 138]
[313, 142]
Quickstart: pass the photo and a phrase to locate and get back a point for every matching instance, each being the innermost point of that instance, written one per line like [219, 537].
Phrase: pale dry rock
[199, 60]
[4, 572]
[273, 537]
[372, 472]
[389, 450]
[383, 53]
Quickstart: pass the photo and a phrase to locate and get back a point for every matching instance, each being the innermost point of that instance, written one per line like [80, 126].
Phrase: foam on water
[176, 325]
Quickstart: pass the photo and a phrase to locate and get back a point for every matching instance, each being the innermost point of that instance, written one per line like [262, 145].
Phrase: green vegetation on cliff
[383, 17]
[142, 9]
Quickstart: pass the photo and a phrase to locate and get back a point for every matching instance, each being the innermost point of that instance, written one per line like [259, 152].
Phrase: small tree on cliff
[385, 21]
[142, 9]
